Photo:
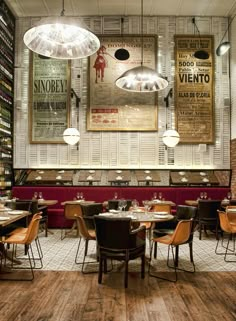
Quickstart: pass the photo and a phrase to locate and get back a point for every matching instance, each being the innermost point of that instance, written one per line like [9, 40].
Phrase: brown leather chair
[180, 236]
[25, 239]
[70, 210]
[116, 241]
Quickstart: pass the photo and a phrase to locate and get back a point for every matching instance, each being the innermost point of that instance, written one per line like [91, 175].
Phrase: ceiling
[27, 8]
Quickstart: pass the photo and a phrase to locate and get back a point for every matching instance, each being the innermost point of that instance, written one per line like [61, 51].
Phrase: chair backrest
[232, 202]
[72, 209]
[113, 204]
[182, 232]
[89, 210]
[208, 209]
[33, 205]
[185, 212]
[224, 222]
[33, 228]
[23, 205]
[161, 208]
[113, 233]
[83, 230]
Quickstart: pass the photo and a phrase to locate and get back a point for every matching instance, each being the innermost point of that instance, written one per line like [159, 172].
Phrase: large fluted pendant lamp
[61, 37]
[171, 138]
[224, 46]
[141, 78]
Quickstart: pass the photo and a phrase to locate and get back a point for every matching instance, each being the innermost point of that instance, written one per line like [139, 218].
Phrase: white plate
[3, 218]
[232, 210]
[15, 212]
[161, 213]
[4, 209]
[106, 214]
[114, 211]
[160, 216]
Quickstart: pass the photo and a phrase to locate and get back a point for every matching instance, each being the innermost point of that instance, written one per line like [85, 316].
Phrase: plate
[106, 214]
[114, 211]
[4, 209]
[4, 218]
[202, 174]
[160, 216]
[232, 210]
[148, 178]
[15, 212]
[119, 178]
[161, 213]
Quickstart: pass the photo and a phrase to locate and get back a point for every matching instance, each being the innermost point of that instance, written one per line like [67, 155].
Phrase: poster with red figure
[111, 108]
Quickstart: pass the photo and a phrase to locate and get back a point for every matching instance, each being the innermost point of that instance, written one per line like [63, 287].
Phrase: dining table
[8, 217]
[224, 202]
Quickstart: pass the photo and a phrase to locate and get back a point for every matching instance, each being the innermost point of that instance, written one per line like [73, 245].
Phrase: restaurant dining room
[118, 160]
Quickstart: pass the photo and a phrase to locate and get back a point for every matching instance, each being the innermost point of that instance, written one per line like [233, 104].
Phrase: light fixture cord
[195, 25]
[141, 32]
[63, 9]
[229, 24]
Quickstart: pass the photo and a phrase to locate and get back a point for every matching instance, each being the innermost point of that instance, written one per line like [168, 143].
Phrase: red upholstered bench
[99, 194]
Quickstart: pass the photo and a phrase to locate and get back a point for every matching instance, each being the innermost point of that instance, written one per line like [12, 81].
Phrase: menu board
[111, 108]
[194, 89]
[49, 99]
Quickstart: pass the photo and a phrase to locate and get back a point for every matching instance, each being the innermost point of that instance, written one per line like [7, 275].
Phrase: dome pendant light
[122, 53]
[200, 53]
[141, 79]
[71, 136]
[61, 37]
[224, 46]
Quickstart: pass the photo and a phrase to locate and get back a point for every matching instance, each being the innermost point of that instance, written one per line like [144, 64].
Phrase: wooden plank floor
[72, 296]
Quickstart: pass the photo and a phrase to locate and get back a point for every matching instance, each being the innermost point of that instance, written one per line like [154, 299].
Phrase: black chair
[88, 212]
[183, 212]
[116, 241]
[113, 204]
[207, 216]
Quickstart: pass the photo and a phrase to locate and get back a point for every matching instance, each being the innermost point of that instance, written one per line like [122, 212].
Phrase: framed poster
[111, 108]
[194, 91]
[49, 99]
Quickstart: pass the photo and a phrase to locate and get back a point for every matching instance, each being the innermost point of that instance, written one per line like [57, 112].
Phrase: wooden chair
[87, 235]
[25, 239]
[116, 241]
[230, 229]
[70, 210]
[180, 236]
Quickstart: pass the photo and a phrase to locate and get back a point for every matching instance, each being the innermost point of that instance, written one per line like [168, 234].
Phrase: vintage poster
[194, 90]
[111, 108]
[49, 99]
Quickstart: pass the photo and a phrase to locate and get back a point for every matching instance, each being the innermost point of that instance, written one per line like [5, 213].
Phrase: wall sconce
[224, 46]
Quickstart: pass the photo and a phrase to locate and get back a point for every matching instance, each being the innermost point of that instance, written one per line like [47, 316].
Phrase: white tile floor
[60, 254]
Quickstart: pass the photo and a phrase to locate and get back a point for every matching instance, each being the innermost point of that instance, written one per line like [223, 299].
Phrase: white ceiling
[27, 8]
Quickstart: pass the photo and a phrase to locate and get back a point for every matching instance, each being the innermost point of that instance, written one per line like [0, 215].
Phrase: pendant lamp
[61, 37]
[171, 136]
[200, 53]
[141, 79]
[122, 53]
[224, 46]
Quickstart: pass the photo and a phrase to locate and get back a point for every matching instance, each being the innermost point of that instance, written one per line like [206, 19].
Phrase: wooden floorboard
[72, 296]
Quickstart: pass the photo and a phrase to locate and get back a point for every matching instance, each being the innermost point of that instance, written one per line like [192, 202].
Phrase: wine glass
[229, 195]
[35, 196]
[81, 196]
[40, 195]
[124, 204]
[146, 205]
[134, 204]
[154, 197]
[78, 195]
[205, 195]
[201, 195]
[115, 197]
[120, 205]
[160, 196]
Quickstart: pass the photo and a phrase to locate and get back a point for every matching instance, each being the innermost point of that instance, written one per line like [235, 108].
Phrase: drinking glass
[81, 196]
[35, 195]
[229, 195]
[78, 195]
[205, 195]
[40, 195]
[201, 195]
[120, 205]
[160, 196]
[124, 204]
[115, 197]
[154, 196]
[147, 206]
[134, 204]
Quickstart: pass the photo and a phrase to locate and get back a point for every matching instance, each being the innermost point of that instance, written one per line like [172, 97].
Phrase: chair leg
[176, 262]
[155, 250]
[143, 266]
[126, 273]
[227, 249]
[200, 231]
[191, 251]
[100, 270]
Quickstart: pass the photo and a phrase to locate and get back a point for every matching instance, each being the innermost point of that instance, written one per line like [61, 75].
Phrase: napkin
[148, 178]
[119, 178]
[89, 178]
[59, 177]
